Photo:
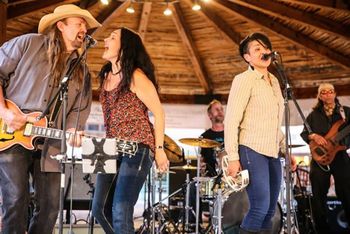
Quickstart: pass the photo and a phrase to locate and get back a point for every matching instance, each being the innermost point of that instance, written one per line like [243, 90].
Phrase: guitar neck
[48, 132]
[343, 133]
[122, 146]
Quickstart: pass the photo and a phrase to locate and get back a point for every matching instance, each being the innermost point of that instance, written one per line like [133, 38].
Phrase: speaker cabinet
[336, 216]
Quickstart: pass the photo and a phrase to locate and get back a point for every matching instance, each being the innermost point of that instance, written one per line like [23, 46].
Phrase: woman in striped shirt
[253, 135]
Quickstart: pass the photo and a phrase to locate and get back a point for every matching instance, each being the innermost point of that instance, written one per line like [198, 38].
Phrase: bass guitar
[26, 135]
[324, 155]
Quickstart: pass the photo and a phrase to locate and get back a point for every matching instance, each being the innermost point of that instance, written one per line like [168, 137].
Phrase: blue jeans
[265, 181]
[117, 216]
[15, 165]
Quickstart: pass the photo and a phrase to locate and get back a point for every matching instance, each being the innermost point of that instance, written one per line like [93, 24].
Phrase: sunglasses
[324, 92]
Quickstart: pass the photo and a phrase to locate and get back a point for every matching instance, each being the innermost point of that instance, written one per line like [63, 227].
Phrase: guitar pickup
[28, 129]
[9, 130]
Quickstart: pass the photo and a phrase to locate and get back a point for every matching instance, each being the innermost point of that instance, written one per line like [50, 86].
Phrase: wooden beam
[191, 48]
[328, 3]
[112, 11]
[313, 19]
[146, 12]
[273, 23]
[299, 93]
[3, 19]
[220, 24]
[17, 10]
[87, 3]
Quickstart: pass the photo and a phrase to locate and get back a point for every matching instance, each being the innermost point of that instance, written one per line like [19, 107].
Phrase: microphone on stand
[271, 55]
[90, 41]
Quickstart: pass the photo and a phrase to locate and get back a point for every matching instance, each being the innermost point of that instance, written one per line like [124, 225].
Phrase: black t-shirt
[208, 153]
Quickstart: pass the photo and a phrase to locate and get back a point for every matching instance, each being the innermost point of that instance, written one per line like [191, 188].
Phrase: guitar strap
[56, 109]
[342, 112]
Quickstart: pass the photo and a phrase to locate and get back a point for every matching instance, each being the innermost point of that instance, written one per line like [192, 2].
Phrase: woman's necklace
[329, 109]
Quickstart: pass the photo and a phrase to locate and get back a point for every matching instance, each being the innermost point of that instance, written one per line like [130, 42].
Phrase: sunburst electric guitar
[324, 155]
[26, 135]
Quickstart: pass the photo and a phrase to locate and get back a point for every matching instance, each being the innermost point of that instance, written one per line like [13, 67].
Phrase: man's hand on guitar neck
[318, 139]
[74, 141]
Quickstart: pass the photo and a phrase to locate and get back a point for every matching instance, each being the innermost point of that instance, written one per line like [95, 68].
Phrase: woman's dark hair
[132, 55]
[259, 37]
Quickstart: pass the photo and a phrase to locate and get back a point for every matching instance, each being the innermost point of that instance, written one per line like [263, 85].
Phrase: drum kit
[223, 196]
[213, 191]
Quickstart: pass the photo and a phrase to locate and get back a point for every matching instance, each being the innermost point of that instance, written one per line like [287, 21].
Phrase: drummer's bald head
[212, 103]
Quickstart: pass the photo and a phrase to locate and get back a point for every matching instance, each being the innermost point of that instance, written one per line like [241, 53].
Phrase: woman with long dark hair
[128, 92]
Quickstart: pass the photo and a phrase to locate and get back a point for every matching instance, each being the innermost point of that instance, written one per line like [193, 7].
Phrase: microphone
[90, 41]
[271, 55]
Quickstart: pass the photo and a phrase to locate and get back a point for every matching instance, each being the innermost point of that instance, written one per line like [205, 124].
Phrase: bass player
[324, 115]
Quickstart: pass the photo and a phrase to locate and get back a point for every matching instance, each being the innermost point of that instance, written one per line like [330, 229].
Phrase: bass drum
[234, 210]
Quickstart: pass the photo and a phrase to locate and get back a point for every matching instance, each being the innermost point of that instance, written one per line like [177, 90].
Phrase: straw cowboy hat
[65, 11]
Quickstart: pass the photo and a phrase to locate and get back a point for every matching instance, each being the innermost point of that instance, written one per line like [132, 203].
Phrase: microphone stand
[288, 94]
[62, 92]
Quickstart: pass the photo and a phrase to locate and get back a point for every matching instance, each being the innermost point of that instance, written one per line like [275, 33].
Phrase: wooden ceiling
[196, 52]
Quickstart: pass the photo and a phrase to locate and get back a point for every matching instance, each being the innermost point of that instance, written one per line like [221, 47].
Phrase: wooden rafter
[191, 48]
[329, 3]
[112, 11]
[3, 16]
[219, 23]
[87, 3]
[146, 12]
[309, 18]
[17, 10]
[258, 17]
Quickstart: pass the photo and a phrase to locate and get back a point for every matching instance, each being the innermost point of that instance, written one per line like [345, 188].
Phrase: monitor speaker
[336, 216]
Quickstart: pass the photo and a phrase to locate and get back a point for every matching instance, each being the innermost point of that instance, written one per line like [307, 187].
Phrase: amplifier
[336, 216]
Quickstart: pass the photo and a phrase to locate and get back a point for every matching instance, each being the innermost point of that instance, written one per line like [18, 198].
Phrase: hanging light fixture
[130, 8]
[104, 2]
[205, 1]
[196, 6]
[167, 10]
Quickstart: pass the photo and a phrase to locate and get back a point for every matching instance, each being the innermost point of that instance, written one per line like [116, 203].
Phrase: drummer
[216, 115]
[209, 163]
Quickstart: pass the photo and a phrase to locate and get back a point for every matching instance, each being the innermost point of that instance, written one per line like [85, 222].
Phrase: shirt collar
[258, 75]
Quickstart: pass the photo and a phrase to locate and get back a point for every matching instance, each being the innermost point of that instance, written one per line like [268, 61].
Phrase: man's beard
[219, 119]
[77, 44]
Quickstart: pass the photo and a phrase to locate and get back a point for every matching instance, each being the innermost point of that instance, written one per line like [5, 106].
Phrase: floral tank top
[126, 117]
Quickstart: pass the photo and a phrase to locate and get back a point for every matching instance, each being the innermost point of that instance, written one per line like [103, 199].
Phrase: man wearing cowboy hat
[324, 115]
[31, 67]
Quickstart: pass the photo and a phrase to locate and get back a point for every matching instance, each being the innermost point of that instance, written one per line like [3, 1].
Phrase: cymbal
[201, 142]
[295, 145]
[184, 167]
[172, 150]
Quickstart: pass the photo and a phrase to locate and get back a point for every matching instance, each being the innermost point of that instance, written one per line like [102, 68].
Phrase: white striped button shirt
[254, 115]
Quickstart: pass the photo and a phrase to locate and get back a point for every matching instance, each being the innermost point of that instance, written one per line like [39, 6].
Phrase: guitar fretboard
[48, 132]
[122, 146]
